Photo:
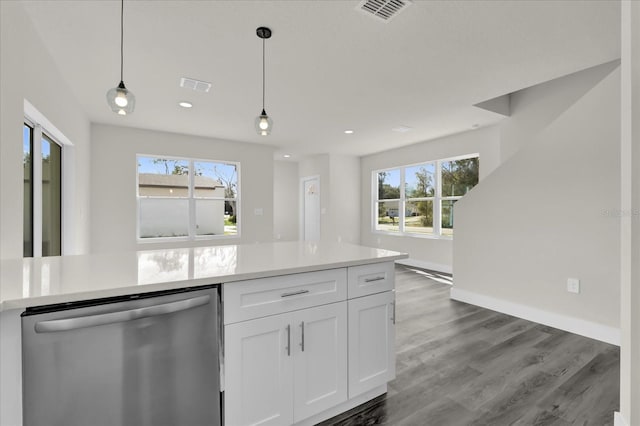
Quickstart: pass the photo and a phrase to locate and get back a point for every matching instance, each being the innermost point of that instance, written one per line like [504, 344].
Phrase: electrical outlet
[573, 285]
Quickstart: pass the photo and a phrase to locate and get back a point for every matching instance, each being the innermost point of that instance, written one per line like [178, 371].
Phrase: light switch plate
[573, 285]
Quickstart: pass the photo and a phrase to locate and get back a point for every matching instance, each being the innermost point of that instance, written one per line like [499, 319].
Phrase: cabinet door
[258, 372]
[320, 361]
[372, 356]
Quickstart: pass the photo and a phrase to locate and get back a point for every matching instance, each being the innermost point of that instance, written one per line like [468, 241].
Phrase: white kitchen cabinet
[258, 372]
[371, 342]
[320, 359]
[370, 279]
[260, 297]
[284, 368]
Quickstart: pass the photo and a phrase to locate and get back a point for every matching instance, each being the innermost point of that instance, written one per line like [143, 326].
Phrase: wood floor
[458, 364]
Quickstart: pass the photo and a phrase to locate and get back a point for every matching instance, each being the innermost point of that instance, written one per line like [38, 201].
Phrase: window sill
[160, 240]
[410, 235]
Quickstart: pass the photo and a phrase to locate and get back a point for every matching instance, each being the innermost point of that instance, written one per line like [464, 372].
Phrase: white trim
[37, 117]
[436, 199]
[42, 126]
[618, 420]
[191, 202]
[36, 190]
[422, 264]
[563, 322]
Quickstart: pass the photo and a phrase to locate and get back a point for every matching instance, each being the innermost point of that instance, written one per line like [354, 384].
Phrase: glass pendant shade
[263, 124]
[121, 100]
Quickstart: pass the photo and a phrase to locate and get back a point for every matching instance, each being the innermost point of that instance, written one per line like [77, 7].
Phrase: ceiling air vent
[193, 84]
[384, 10]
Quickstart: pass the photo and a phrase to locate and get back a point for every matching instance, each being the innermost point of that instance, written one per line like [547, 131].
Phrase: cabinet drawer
[371, 279]
[244, 300]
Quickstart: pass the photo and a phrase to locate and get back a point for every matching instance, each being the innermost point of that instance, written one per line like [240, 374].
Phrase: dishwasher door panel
[155, 369]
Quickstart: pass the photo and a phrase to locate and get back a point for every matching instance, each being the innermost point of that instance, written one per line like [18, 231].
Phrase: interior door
[311, 208]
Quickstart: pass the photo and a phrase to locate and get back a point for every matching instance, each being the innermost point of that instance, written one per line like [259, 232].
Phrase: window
[419, 199]
[187, 198]
[42, 164]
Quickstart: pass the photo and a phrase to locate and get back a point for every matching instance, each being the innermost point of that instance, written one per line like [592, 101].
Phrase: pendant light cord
[121, 39]
[263, 74]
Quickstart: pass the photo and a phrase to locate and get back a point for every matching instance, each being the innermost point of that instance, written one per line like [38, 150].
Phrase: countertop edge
[23, 303]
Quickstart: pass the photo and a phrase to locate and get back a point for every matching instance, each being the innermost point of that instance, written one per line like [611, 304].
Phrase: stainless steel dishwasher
[143, 360]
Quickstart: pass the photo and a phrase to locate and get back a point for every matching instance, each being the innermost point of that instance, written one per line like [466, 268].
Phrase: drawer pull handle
[288, 339]
[302, 340]
[370, 280]
[294, 293]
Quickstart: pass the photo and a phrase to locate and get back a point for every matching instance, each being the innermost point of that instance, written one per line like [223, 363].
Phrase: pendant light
[263, 122]
[120, 99]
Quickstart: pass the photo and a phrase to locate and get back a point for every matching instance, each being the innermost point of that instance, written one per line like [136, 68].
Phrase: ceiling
[329, 67]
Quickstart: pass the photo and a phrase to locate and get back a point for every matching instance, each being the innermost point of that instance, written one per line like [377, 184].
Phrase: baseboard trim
[588, 329]
[422, 264]
[345, 406]
[618, 420]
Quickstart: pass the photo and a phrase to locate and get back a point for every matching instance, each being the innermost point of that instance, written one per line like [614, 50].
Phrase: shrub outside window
[187, 198]
[419, 199]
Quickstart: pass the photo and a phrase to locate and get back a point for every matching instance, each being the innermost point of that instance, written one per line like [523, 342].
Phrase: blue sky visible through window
[393, 178]
[26, 139]
[147, 165]
[46, 149]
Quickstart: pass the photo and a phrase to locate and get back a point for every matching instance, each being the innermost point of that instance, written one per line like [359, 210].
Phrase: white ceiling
[329, 67]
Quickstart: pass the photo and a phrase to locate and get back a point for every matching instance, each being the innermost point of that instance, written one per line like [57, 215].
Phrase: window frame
[39, 133]
[192, 235]
[437, 198]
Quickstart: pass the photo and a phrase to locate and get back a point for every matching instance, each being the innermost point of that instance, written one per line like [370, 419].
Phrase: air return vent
[193, 84]
[384, 10]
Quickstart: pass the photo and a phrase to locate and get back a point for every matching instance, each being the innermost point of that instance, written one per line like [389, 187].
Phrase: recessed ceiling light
[185, 104]
[287, 155]
[348, 132]
[401, 129]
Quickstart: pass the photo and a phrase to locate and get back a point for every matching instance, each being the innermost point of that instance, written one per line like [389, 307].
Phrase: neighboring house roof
[176, 181]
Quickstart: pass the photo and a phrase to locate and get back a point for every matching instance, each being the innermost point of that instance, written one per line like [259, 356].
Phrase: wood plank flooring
[459, 364]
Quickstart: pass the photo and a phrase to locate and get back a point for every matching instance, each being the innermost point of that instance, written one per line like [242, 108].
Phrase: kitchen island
[331, 304]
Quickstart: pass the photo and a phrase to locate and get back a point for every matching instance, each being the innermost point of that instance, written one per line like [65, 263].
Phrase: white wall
[286, 196]
[432, 253]
[339, 195]
[630, 217]
[113, 188]
[27, 71]
[344, 184]
[536, 107]
[547, 213]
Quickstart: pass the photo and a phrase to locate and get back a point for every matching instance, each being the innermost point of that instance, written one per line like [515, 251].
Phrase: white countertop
[47, 280]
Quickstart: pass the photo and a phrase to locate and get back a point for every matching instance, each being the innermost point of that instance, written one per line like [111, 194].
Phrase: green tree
[385, 192]
[229, 179]
[173, 167]
[424, 188]
[180, 169]
[459, 176]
